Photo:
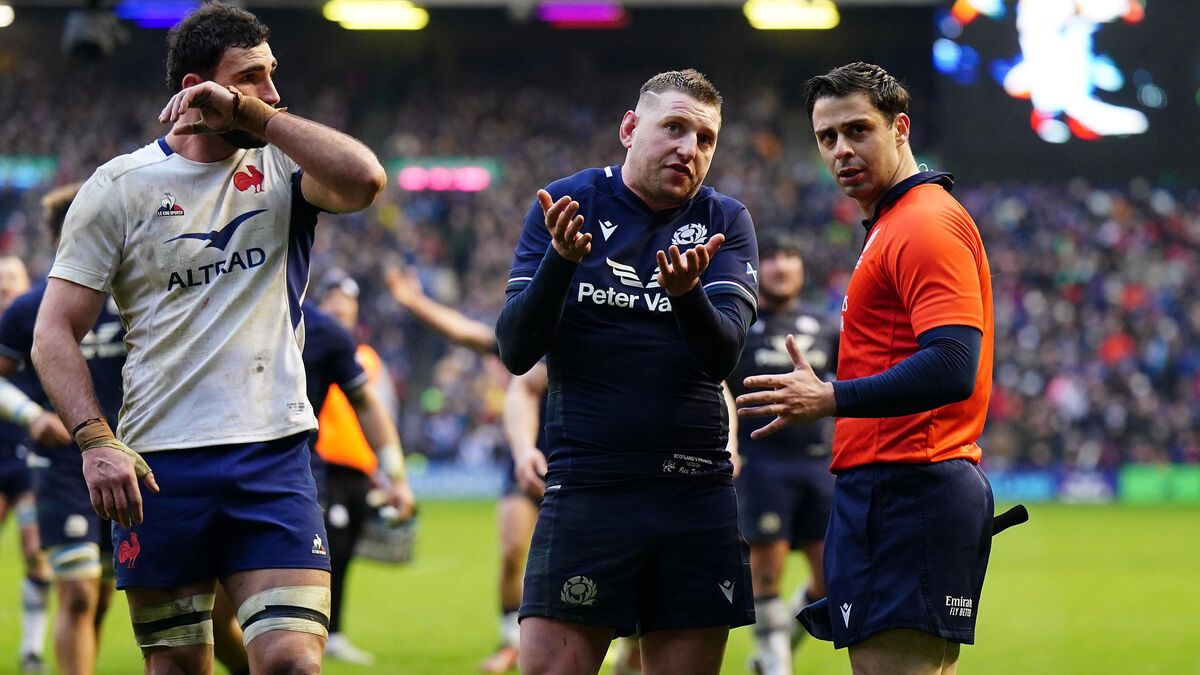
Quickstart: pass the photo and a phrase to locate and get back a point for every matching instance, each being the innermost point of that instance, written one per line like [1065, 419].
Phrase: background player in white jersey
[18, 415]
[203, 237]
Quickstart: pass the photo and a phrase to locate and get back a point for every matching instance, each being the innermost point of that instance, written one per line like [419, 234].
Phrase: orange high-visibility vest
[340, 439]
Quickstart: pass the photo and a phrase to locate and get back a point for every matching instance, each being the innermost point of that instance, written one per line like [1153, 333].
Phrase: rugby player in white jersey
[203, 237]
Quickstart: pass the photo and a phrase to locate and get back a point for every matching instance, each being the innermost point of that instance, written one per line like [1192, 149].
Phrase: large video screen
[1060, 88]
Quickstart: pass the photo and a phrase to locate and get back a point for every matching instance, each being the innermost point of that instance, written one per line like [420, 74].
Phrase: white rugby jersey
[208, 264]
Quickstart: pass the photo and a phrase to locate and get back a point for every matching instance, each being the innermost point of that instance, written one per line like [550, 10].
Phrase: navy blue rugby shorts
[908, 547]
[648, 554]
[784, 497]
[224, 509]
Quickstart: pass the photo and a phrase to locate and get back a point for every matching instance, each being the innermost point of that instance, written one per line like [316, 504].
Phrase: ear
[191, 80]
[902, 125]
[628, 124]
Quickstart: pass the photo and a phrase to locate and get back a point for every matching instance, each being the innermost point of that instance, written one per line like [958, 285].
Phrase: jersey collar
[893, 195]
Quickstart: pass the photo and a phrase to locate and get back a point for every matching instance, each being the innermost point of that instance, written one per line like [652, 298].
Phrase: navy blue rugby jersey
[766, 354]
[329, 357]
[11, 436]
[103, 349]
[622, 381]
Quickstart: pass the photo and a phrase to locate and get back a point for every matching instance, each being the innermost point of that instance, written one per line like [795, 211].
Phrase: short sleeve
[936, 272]
[734, 269]
[342, 360]
[531, 248]
[93, 236]
[16, 329]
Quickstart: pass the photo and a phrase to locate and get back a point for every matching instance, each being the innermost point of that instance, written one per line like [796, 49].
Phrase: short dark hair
[884, 91]
[690, 81]
[197, 44]
[771, 242]
[54, 208]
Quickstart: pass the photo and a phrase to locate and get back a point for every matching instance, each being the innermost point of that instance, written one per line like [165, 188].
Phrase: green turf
[1087, 590]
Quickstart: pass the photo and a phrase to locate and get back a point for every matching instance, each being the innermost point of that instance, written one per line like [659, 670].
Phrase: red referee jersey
[923, 266]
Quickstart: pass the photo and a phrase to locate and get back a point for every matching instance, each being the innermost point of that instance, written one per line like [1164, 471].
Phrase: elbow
[516, 360]
[365, 185]
[374, 180]
[724, 370]
[962, 389]
[517, 364]
[371, 183]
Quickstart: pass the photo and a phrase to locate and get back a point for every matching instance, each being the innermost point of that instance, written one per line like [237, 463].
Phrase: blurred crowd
[1098, 334]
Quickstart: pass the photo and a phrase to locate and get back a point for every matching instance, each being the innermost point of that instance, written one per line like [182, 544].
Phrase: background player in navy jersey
[337, 370]
[637, 284]
[784, 488]
[21, 418]
[75, 539]
[203, 239]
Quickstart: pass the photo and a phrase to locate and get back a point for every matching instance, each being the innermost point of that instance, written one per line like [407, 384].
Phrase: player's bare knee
[511, 563]
[78, 599]
[280, 653]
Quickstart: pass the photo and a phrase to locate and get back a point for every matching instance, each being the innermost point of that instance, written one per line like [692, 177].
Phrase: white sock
[772, 637]
[510, 629]
[800, 600]
[33, 616]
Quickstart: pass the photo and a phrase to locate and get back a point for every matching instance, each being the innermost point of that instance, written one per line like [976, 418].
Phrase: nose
[267, 91]
[842, 149]
[687, 147]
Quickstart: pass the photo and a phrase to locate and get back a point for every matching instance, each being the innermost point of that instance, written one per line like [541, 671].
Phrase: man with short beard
[637, 284]
[203, 238]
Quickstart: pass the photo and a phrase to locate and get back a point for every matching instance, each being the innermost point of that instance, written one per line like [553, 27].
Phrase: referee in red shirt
[910, 533]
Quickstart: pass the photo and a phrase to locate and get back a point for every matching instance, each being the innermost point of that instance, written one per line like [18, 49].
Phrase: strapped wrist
[93, 433]
[250, 113]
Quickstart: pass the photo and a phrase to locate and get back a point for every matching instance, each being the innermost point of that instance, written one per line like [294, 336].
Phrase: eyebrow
[856, 120]
[680, 117]
[258, 68]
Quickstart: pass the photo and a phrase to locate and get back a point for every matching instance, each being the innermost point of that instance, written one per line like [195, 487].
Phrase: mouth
[850, 175]
[680, 169]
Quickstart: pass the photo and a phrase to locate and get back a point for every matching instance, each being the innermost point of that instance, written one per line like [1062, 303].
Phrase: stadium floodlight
[791, 14]
[92, 34]
[6, 16]
[376, 14]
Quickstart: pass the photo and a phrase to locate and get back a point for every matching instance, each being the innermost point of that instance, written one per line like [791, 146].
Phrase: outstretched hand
[793, 398]
[565, 226]
[679, 273]
[404, 285]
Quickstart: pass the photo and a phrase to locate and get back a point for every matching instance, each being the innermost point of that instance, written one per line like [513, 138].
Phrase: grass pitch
[1079, 589]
